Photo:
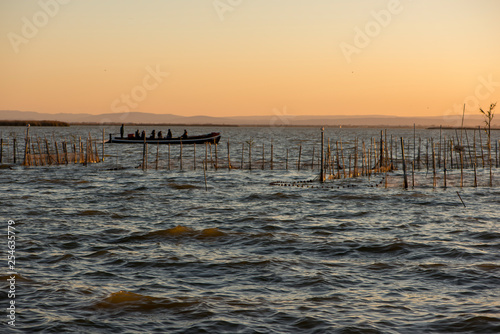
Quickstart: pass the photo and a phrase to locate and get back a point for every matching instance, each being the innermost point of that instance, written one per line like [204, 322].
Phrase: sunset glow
[233, 58]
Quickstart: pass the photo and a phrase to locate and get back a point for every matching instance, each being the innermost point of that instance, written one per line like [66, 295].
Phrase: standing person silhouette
[122, 130]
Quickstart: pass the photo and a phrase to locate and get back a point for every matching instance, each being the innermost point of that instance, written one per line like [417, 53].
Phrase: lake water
[110, 248]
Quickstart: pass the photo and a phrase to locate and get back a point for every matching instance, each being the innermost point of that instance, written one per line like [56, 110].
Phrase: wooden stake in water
[103, 144]
[404, 163]
[169, 166]
[228, 156]
[433, 164]
[27, 146]
[216, 165]
[272, 154]
[205, 173]
[322, 173]
[475, 176]
[461, 199]
[249, 155]
[300, 153]
[181, 156]
[412, 174]
[57, 154]
[216, 156]
[157, 154]
[42, 160]
[65, 150]
[242, 155]
[14, 150]
[144, 154]
[263, 156]
[461, 169]
[481, 145]
[444, 171]
[286, 161]
[312, 159]
[194, 156]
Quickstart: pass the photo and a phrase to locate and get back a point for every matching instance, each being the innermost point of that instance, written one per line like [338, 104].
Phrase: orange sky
[231, 58]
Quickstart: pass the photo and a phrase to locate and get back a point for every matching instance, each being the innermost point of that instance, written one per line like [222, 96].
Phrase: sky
[250, 57]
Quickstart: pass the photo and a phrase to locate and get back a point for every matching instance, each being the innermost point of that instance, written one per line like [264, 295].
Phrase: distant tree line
[32, 123]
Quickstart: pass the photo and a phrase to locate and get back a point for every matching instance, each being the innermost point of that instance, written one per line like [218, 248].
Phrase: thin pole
[216, 157]
[312, 159]
[42, 160]
[433, 164]
[102, 145]
[272, 151]
[144, 154]
[404, 163]
[481, 145]
[322, 173]
[242, 155]
[249, 155]
[65, 150]
[228, 156]
[181, 156]
[300, 153]
[286, 161]
[26, 146]
[14, 150]
[444, 171]
[205, 173]
[263, 156]
[461, 169]
[157, 154]
[57, 154]
[169, 166]
[475, 176]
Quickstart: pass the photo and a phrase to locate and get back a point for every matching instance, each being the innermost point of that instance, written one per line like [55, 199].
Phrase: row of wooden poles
[40, 152]
[340, 159]
[334, 160]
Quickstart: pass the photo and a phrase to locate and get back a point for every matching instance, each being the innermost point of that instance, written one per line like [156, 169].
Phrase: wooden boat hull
[212, 138]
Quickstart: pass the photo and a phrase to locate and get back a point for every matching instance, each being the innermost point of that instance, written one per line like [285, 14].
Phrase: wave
[91, 213]
[466, 323]
[131, 301]
[179, 186]
[179, 231]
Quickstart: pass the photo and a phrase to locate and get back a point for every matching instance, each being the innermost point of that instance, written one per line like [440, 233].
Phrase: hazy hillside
[272, 120]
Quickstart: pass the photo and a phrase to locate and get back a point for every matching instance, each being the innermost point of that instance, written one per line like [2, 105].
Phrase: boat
[212, 138]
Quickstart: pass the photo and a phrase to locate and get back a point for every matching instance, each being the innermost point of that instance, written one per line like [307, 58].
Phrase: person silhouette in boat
[160, 135]
[153, 134]
[143, 134]
[137, 134]
[169, 134]
[185, 134]
[122, 130]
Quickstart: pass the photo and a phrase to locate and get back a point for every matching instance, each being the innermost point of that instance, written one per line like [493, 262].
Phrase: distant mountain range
[271, 120]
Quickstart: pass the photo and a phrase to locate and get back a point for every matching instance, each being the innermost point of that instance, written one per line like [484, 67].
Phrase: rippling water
[111, 248]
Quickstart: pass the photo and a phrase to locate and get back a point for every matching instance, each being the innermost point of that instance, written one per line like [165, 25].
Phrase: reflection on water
[101, 249]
